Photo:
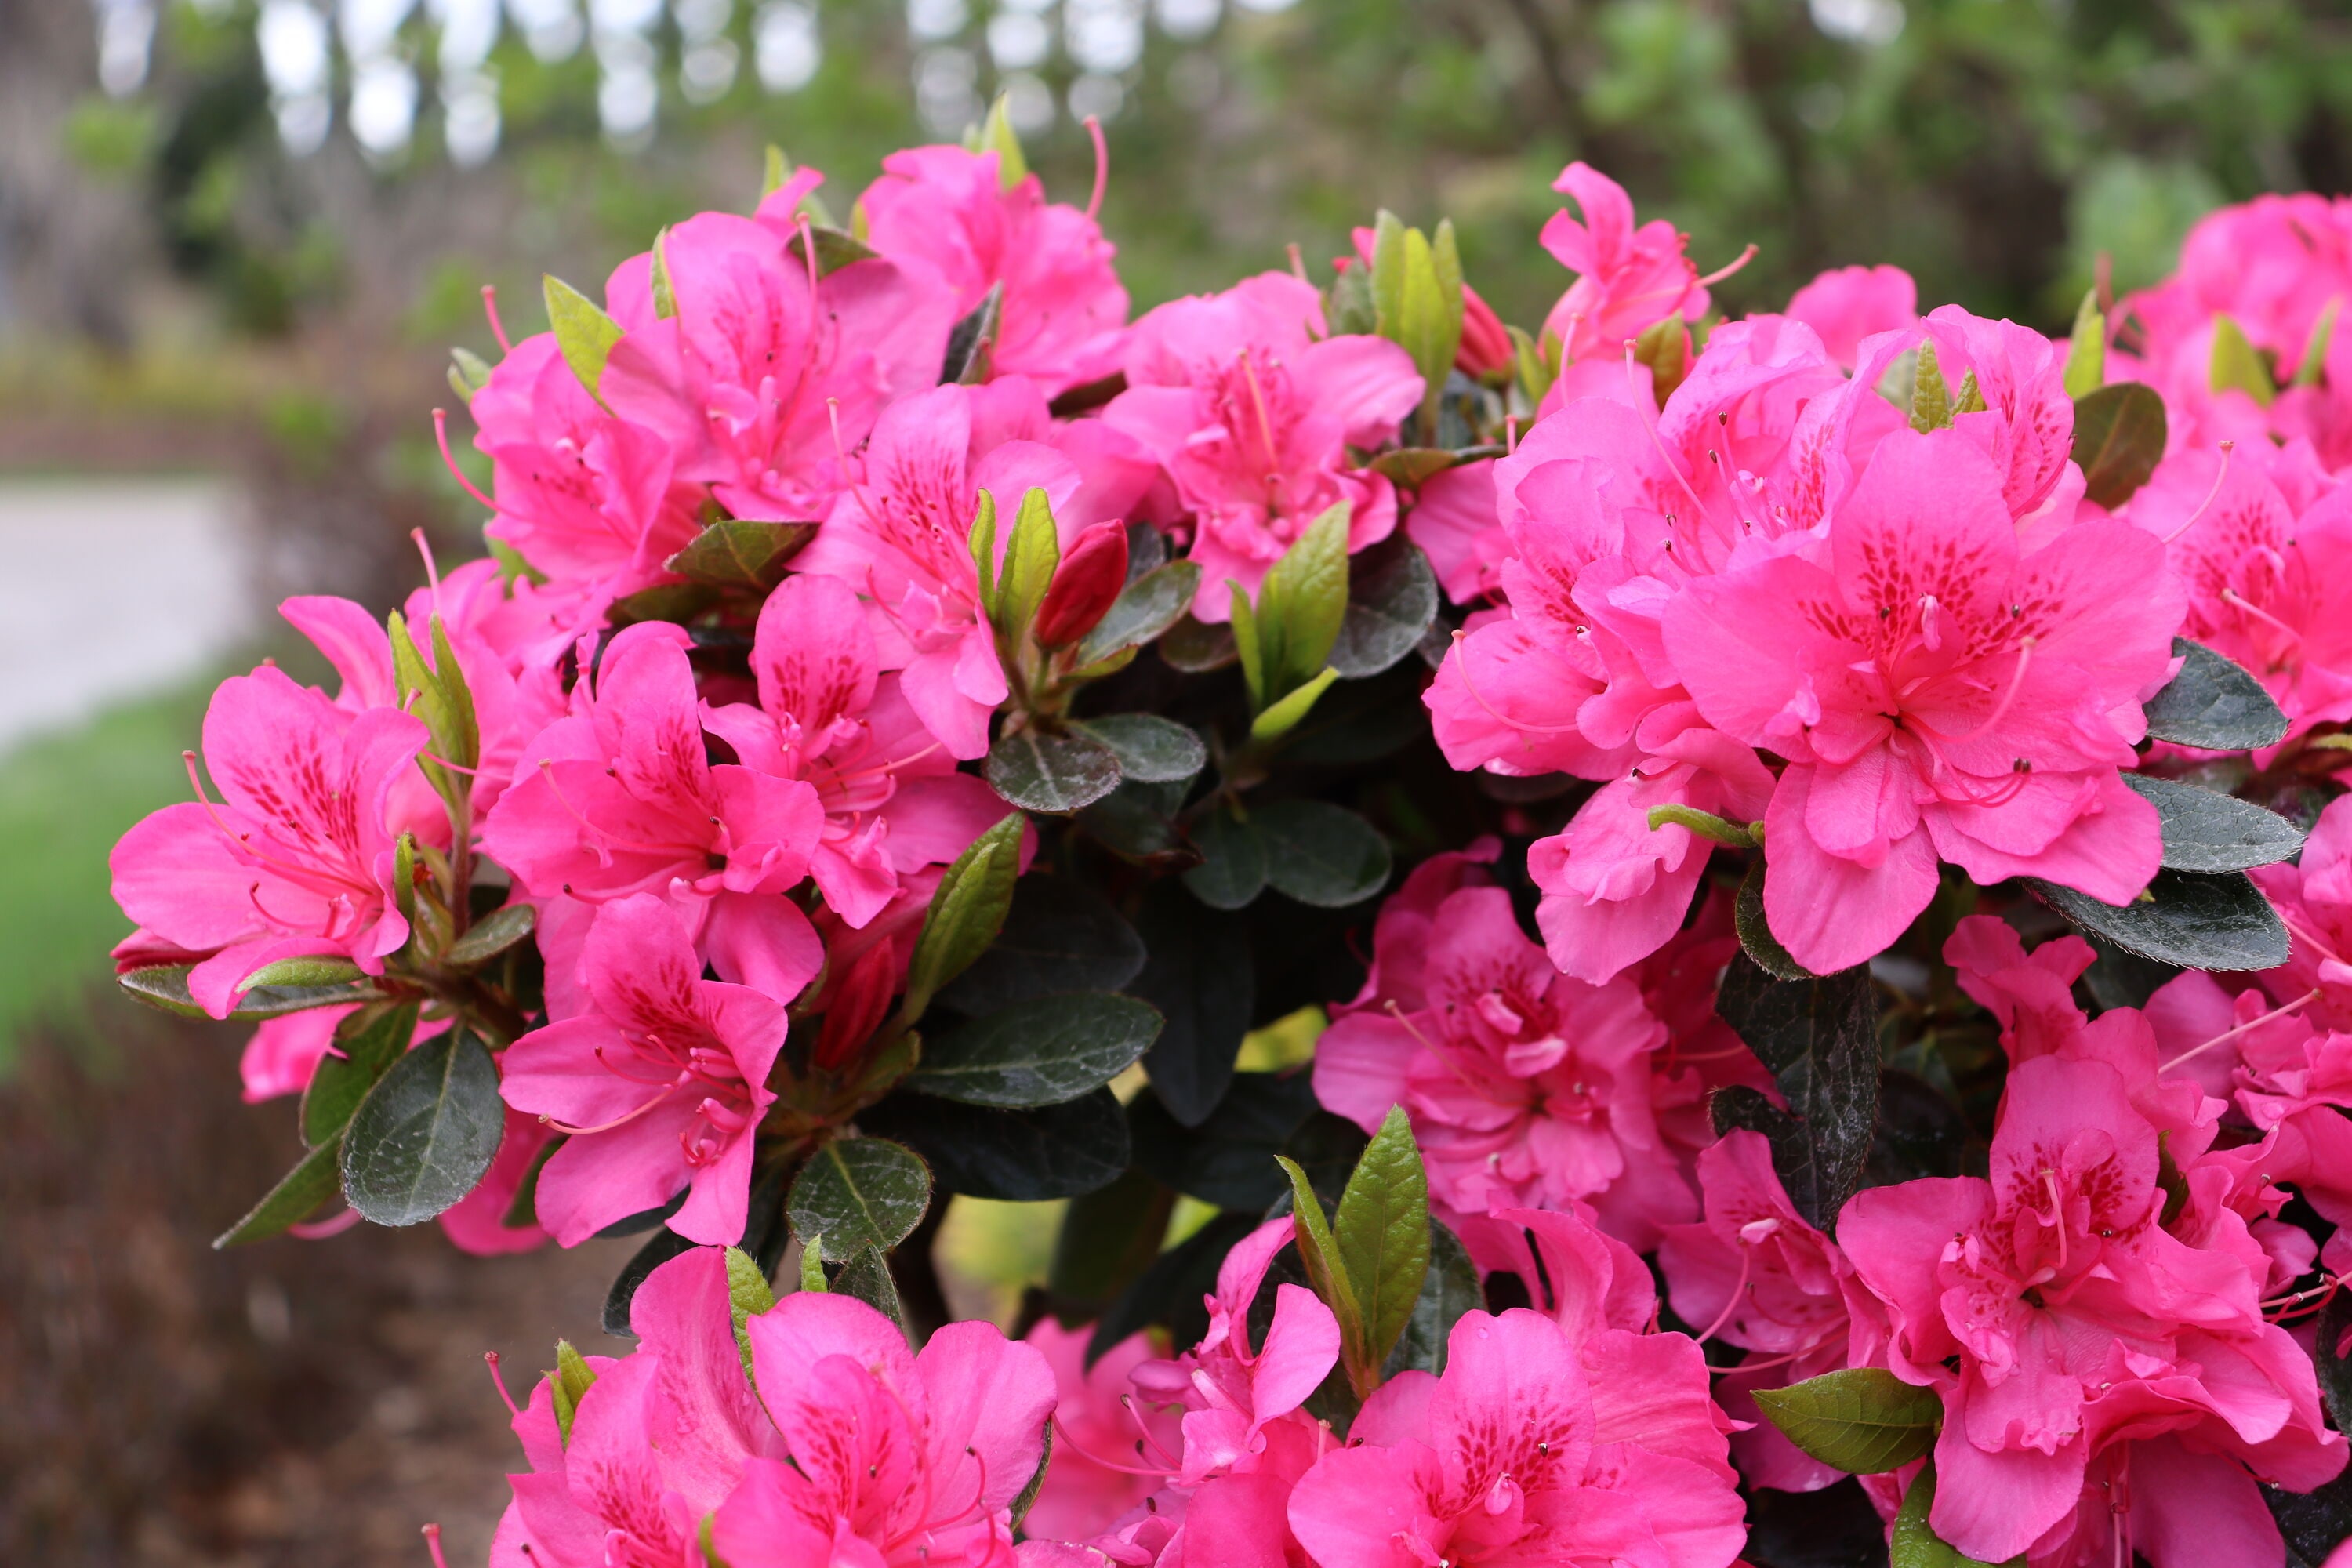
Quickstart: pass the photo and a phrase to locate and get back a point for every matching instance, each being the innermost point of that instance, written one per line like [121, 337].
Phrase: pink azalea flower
[1755, 1274]
[621, 798]
[1848, 304]
[1938, 695]
[296, 859]
[948, 210]
[896, 1459]
[660, 1440]
[580, 493]
[2098, 1354]
[1525, 1086]
[1628, 277]
[893, 800]
[1531, 1447]
[661, 1085]
[767, 370]
[1099, 1421]
[1252, 409]
[2314, 897]
[899, 535]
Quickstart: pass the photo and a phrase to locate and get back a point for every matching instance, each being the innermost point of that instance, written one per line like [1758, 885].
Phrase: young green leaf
[1250, 647]
[859, 1192]
[983, 540]
[469, 372]
[1030, 557]
[997, 136]
[1931, 398]
[2314, 350]
[567, 1383]
[966, 912]
[2236, 365]
[1282, 717]
[302, 973]
[665, 296]
[583, 332]
[1327, 1272]
[2086, 350]
[1864, 1420]
[1388, 274]
[1302, 603]
[1382, 1238]
[1449, 1288]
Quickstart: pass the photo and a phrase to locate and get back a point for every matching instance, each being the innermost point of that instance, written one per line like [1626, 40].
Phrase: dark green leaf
[2197, 922]
[1233, 866]
[1087, 395]
[304, 974]
[742, 552]
[1136, 822]
[1148, 748]
[1060, 936]
[1043, 1051]
[1820, 1040]
[1347, 303]
[366, 1045]
[1200, 975]
[1864, 1421]
[644, 1220]
[1449, 1288]
[966, 911]
[1409, 465]
[523, 1210]
[1321, 854]
[1920, 1132]
[1756, 938]
[165, 987]
[1013, 1156]
[836, 249]
[1382, 1234]
[2208, 832]
[664, 1244]
[494, 933]
[1227, 1160]
[1145, 609]
[2119, 437]
[1170, 1291]
[2213, 703]
[1028, 1498]
[675, 602]
[1361, 722]
[1392, 599]
[1197, 648]
[866, 1276]
[1915, 1543]
[291, 1201]
[426, 1133]
[972, 342]
[1107, 1239]
[1836, 1527]
[859, 1192]
[1052, 773]
[2313, 1524]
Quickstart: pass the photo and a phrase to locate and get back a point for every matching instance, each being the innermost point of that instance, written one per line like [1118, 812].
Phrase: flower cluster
[916, 723]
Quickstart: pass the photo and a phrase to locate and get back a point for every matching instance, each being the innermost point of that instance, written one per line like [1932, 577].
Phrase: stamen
[1067, 1439]
[1738, 1288]
[2228, 447]
[1462, 664]
[1736, 262]
[1102, 166]
[499, 1382]
[1510, 435]
[432, 1532]
[2231, 597]
[621, 1120]
[2057, 1215]
[1650, 424]
[490, 308]
[2279, 1012]
[441, 434]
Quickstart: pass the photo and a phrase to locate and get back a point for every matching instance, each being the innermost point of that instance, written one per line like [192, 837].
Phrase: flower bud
[1485, 351]
[1090, 577]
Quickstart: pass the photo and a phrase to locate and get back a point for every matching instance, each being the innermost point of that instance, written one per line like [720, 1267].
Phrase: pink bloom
[899, 535]
[1532, 1447]
[1754, 1274]
[295, 860]
[896, 1459]
[892, 799]
[1628, 277]
[1525, 1086]
[948, 210]
[621, 798]
[1252, 411]
[1453, 520]
[1938, 695]
[1851, 303]
[661, 1085]
[1098, 1419]
[2314, 897]
[2094, 1347]
[745, 383]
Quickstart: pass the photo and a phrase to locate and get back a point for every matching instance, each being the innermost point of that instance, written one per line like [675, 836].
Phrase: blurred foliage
[1995, 148]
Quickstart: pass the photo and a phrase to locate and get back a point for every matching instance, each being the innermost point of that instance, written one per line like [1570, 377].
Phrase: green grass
[64, 798]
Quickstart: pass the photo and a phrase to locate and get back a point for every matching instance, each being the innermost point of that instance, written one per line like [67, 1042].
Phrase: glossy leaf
[1383, 1235]
[1197, 648]
[366, 1044]
[742, 552]
[1449, 1288]
[1391, 600]
[1199, 974]
[493, 934]
[165, 987]
[2119, 436]
[1915, 1543]
[1148, 748]
[2215, 923]
[1864, 1421]
[1108, 1238]
[1052, 773]
[1326, 1271]
[859, 1192]
[294, 1199]
[1059, 936]
[663, 1246]
[1013, 1156]
[1232, 868]
[1819, 1038]
[1144, 609]
[1043, 1051]
[966, 911]
[1321, 854]
[2205, 831]
[2213, 703]
[866, 1276]
[426, 1133]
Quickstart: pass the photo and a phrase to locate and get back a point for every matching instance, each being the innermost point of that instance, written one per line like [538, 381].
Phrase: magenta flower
[896, 1459]
[1848, 304]
[766, 370]
[1097, 1413]
[296, 859]
[2314, 897]
[1252, 410]
[661, 1085]
[1628, 277]
[1526, 1088]
[621, 798]
[1531, 1449]
[1061, 322]
[2086, 1355]
[1938, 694]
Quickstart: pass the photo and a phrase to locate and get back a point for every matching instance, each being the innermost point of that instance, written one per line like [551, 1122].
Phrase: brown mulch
[291, 1403]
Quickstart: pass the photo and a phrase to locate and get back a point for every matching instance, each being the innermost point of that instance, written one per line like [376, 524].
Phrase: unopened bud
[1090, 577]
[1485, 351]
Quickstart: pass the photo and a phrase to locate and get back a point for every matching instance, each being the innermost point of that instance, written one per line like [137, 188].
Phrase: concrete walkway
[112, 589]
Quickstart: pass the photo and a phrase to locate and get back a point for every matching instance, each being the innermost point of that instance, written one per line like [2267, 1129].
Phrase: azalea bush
[1812, 842]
